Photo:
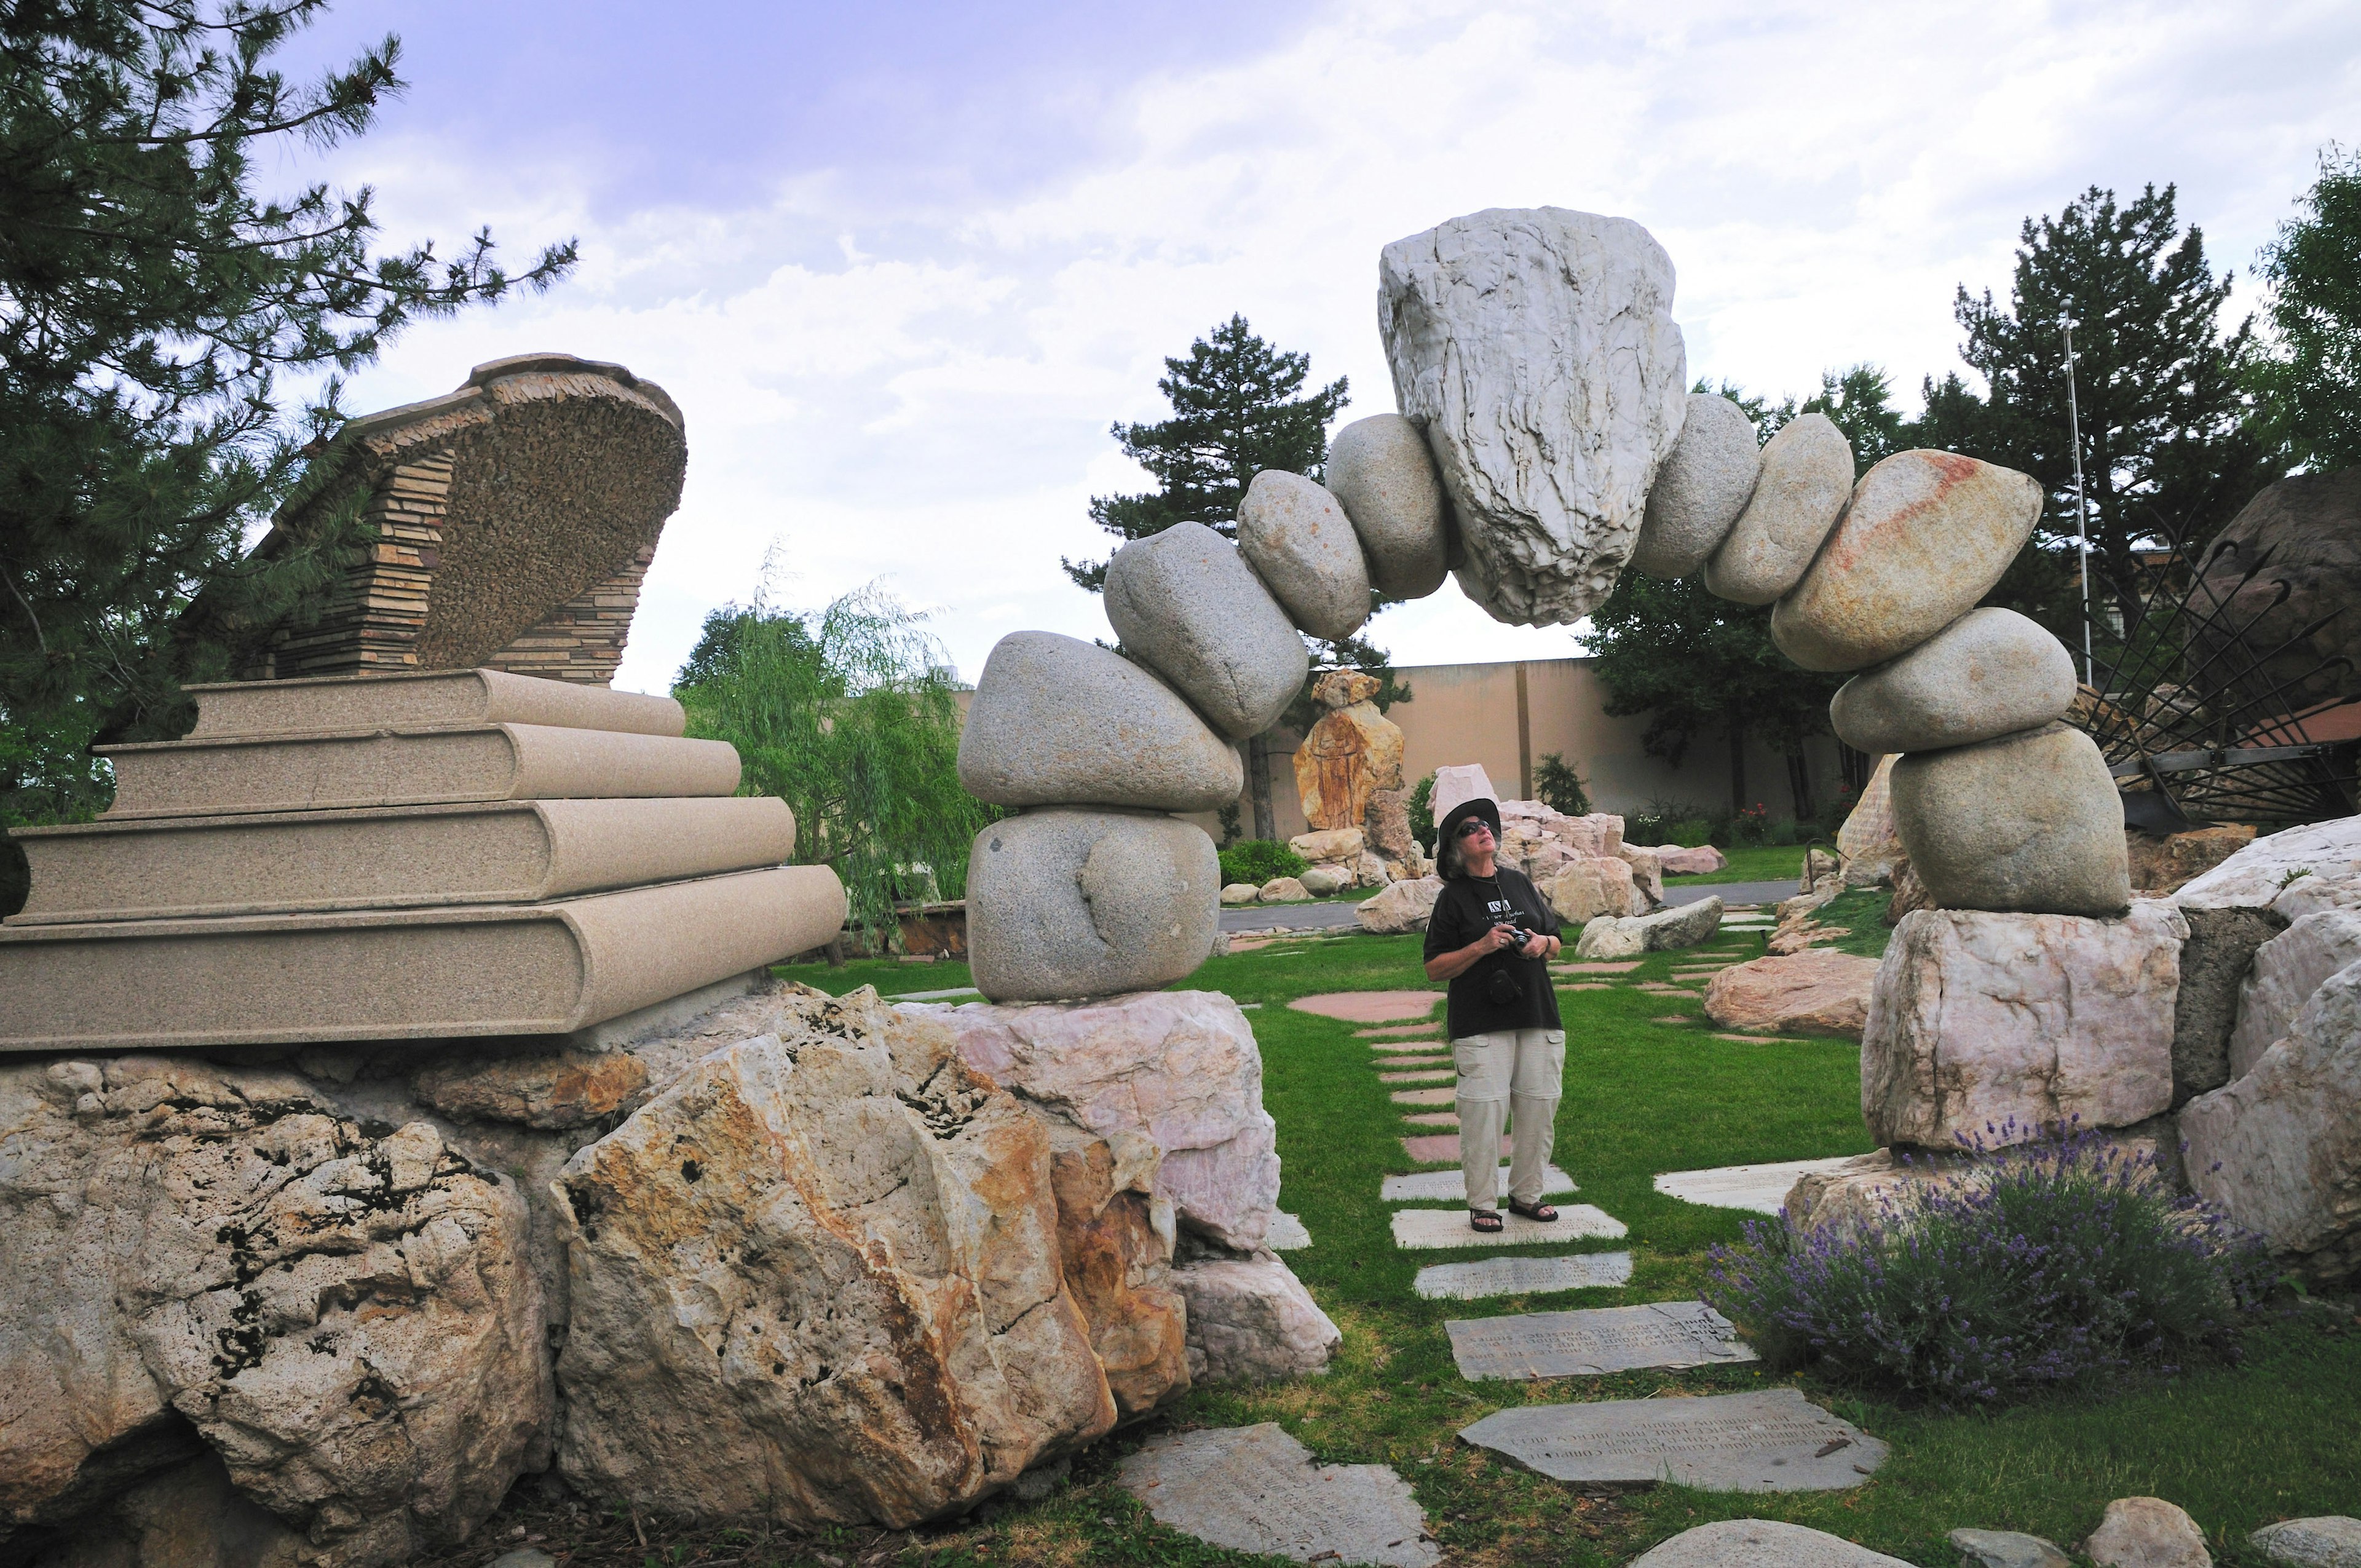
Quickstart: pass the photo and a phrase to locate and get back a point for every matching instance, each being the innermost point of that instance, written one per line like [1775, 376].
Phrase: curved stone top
[483, 377]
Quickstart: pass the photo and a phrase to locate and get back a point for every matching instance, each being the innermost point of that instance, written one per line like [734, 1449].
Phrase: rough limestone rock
[2215, 963]
[1250, 1321]
[1178, 1067]
[1302, 545]
[1682, 926]
[1386, 824]
[2028, 822]
[1335, 845]
[1240, 893]
[1805, 476]
[1647, 876]
[1115, 1248]
[2291, 873]
[1058, 721]
[2328, 1541]
[1403, 906]
[1816, 993]
[1185, 603]
[1978, 1020]
[1587, 889]
[1760, 1543]
[546, 1090]
[2147, 1532]
[1873, 851]
[344, 1316]
[1536, 349]
[2300, 538]
[1989, 673]
[1067, 903]
[817, 1281]
[1704, 485]
[1282, 889]
[1350, 754]
[1320, 881]
[2163, 866]
[2279, 1148]
[1382, 475]
[188, 1515]
[2287, 970]
[2006, 1549]
[1865, 1189]
[1681, 860]
[1925, 535]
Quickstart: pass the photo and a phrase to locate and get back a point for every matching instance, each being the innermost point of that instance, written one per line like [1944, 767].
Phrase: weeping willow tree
[849, 715]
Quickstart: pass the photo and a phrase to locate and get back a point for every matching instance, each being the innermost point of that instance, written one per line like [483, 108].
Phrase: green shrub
[1690, 832]
[1751, 826]
[1422, 811]
[1560, 786]
[1257, 860]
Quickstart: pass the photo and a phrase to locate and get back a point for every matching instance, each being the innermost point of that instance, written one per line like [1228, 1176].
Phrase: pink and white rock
[1981, 1020]
[1586, 889]
[1647, 876]
[1818, 992]
[1682, 926]
[1302, 545]
[2279, 1148]
[1282, 889]
[1403, 906]
[1536, 349]
[1250, 1321]
[1798, 495]
[1679, 860]
[1382, 475]
[1925, 536]
[1336, 845]
[1179, 1067]
[2286, 970]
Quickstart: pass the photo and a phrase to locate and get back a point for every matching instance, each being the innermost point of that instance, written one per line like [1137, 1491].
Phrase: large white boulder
[1403, 906]
[817, 1280]
[1681, 925]
[1074, 902]
[1536, 348]
[1997, 1026]
[1179, 1068]
[345, 1314]
[2279, 1149]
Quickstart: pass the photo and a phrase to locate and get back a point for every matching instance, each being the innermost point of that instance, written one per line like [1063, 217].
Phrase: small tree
[2313, 267]
[849, 715]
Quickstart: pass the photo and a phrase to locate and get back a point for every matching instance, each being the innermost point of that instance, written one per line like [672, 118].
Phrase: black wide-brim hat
[1477, 806]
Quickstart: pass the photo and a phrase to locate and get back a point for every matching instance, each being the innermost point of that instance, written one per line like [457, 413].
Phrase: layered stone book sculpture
[463, 853]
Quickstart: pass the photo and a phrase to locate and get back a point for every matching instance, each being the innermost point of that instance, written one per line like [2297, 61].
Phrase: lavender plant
[2048, 1263]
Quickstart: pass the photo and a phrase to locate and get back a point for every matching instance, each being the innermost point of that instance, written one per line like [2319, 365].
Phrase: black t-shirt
[1468, 908]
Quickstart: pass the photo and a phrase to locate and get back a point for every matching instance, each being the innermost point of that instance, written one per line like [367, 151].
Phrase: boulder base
[2286, 971]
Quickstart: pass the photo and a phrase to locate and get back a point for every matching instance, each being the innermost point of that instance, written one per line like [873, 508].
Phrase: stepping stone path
[1393, 1030]
[1588, 985]
[1428, 1076]
[1764, 1543]
[1287, 1234]
[1759, 1039]
[1434, 1119]
[1427, 1229]
[1762, 1189]
[1771, 1441]
[1596, 968]
[1591, 1343]
[1369, 1006]
[1257, 1489]
[1451, 1186]
[1429, 1061]
[1523, 1276]
[1440, 1149]
[1424, 1096]
[1673, 1018]
[1392, 1046]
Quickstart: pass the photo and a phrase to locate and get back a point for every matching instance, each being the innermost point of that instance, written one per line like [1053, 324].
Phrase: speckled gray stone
[1800, 492]
[1058, 721]
[1988, 674]
[1594, 1341]
[1762, 1544]
[1302, 546]
[2328, 1541]
[2006, 1549]
[1701, 490]
[1382, 475]
[2029, 822]
[1769, 1441]
[1067, 904]
[1257, 1489]
[1185, 602]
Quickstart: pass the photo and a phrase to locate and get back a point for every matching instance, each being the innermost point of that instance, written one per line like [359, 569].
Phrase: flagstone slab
[1451, 1186]
[1286, 1233]
[1424, 1230]
[1428, 1075]
[1593, 1343]
[1443, 1096]
[1257, 1489]
[1772, 1440]
[1440, 1148]
[1597, 968]
[1369, 1006]
[1762, 1189]
[1588, 985]
[1523, 1276]
[1434, 1119]
[1762, 1040]
[1673, 1018]
[1392, 1031]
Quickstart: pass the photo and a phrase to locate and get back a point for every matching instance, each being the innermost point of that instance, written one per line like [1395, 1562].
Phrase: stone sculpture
[1353, 753]
[2299, 537]
[1799, 493]
[1705, 483]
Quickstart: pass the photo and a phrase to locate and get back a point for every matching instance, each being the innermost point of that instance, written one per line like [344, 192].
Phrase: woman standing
[1491, 936]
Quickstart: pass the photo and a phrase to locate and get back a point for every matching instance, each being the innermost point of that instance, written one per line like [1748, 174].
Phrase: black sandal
[1544, 1213]
[1487, 1221]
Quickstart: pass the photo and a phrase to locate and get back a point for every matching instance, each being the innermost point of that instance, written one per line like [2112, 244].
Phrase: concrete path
[1293, 917]
[1729, 893]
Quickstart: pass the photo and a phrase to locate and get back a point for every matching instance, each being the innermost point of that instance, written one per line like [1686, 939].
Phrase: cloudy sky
[902, 264]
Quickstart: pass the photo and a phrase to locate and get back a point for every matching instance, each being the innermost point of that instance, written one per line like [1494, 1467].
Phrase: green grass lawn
[1754, 862]
[2237, 1446]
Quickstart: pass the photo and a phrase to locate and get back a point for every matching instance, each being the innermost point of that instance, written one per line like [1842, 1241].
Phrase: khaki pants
[1518, 1071]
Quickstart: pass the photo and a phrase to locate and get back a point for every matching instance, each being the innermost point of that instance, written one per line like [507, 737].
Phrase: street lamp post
[2082, 501]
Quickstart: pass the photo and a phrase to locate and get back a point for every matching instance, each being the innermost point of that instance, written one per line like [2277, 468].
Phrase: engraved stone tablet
[1521, 1275]
[1775, 1441]
[1425, 1229]
[1605, 1339]
[1762, 1189]
[1257, 1489]
[1451, 1186]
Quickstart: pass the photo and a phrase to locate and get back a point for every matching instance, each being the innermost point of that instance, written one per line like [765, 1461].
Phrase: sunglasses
[1470, 829]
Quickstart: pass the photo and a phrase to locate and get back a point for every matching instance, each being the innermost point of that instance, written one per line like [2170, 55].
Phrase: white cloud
[921, 393]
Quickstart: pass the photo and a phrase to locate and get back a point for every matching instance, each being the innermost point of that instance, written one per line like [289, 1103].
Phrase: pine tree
[2313, 267]
[150, 299]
